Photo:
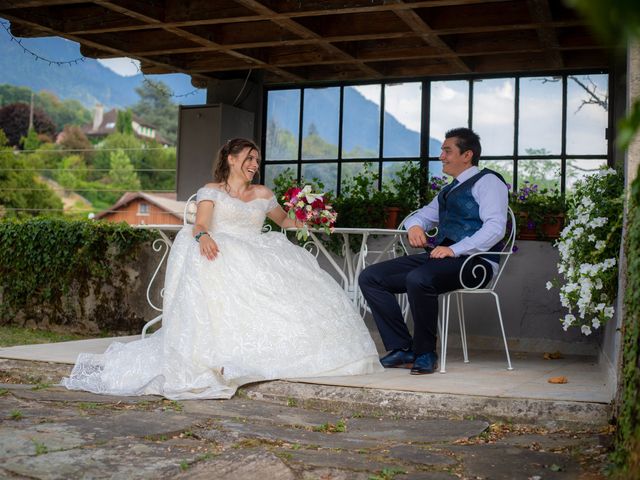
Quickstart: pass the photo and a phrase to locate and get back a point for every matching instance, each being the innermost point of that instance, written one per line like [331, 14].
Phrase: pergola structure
[306, 41]
[222, 44]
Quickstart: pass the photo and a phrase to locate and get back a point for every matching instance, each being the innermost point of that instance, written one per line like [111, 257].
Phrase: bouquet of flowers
[310, 208]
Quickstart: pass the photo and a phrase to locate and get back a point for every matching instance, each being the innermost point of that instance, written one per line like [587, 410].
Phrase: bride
[239, 306]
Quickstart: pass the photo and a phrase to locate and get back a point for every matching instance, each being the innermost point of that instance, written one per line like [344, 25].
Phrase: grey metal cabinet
[202, 130]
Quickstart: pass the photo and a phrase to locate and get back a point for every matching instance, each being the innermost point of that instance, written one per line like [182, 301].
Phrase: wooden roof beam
[419, 26]
[541, 13]
[304, 32]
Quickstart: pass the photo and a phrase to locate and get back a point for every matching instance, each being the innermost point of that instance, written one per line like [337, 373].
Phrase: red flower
[318, 203]
[301, 215]
[292, 192]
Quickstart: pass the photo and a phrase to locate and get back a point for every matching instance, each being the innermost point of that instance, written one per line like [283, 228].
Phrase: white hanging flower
[588, 250]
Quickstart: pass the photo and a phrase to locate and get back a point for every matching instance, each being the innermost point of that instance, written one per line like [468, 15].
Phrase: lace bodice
[231, 215]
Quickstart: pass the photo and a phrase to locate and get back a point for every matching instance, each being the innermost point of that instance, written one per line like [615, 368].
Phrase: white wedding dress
[263, 309]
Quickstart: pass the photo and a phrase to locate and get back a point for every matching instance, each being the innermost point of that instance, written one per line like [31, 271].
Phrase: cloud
[125, 67]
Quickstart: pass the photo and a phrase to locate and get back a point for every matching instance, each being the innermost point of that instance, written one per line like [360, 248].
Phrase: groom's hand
[442, 252]
[417, 237]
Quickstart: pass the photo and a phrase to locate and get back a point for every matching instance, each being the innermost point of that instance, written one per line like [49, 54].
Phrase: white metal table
[354, 263]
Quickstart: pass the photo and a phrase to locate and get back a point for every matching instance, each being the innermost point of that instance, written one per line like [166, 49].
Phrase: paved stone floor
[50, 433]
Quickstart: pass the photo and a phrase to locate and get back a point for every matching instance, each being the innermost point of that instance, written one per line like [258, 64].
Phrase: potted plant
[540, 212]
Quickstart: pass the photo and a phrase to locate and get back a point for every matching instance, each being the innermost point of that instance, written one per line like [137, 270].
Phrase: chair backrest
[190, 208]
[507, 249]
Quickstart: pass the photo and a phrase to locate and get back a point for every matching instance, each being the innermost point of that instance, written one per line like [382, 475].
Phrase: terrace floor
[477, 385]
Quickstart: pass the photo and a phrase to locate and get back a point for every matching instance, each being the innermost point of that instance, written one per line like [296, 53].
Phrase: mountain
[361, 123]
[88, 81]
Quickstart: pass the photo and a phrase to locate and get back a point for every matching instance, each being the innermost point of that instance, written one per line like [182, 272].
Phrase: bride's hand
[208, 247]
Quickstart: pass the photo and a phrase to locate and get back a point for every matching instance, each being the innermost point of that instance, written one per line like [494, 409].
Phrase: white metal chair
[479, 272]
[188, 218]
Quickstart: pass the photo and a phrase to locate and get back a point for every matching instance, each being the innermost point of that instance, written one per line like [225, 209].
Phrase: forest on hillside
[36, 163]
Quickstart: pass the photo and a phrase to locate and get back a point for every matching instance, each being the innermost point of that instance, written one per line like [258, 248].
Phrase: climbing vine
[626, 456]
[48, 266]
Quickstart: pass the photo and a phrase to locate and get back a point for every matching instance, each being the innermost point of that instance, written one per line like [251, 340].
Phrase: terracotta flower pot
[391, 217]
[549, 229]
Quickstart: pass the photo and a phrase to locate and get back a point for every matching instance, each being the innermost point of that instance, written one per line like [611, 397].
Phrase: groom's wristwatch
[199, 234]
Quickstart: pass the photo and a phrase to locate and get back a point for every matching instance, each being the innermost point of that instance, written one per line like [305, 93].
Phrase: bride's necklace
[233, 194]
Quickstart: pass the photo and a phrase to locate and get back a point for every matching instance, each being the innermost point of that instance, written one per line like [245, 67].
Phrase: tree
[61, 112]
[155, 106]
[14, 121]
[21, 195]
[122, 173]
[123, 122]
[73, 138]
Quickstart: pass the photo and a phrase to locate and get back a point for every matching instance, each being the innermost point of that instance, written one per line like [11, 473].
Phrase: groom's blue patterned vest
[459, 213]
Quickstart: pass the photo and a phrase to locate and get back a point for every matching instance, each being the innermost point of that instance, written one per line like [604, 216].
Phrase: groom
[471, 214]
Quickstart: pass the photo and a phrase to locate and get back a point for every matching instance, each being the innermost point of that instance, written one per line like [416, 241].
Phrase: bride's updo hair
[232, 147]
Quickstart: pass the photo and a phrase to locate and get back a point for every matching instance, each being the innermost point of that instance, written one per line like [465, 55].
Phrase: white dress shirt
[492, 196]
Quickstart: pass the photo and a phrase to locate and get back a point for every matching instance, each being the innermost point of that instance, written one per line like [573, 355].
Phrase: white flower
[549, 285]
[585, 329]
[600, 307]
[608, 312]
[595, 323]
[600, 244]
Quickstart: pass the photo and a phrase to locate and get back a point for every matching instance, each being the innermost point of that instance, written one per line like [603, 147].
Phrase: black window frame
[424, 157]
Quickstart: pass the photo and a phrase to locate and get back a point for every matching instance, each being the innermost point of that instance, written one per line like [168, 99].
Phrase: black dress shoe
[398, 359]
[425, 363]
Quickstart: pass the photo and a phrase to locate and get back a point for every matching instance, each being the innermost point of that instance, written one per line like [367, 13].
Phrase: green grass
[10, 336]
[16, 415]
[41, 448]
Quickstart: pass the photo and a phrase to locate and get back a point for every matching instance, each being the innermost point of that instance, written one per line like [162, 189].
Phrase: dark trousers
[422, 278]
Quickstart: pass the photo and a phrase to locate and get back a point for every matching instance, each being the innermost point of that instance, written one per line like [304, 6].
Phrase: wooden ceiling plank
[419, 26]
[304, 32]
[541, 13]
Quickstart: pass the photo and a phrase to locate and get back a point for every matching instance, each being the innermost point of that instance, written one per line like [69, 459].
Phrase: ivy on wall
[627, 452]
[48, 266]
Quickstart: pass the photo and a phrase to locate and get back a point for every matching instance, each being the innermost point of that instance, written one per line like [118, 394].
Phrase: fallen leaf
[561, 379]
[552, 356]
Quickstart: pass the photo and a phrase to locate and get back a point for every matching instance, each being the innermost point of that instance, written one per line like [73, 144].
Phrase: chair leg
[504, 336]
[463, 328]
[444, 332]
[149, 324]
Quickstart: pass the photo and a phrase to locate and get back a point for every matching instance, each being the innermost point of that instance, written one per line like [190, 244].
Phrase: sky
[540, 112]
[123, 66]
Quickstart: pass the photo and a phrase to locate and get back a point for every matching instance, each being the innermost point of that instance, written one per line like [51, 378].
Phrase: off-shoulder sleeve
[206, 193]
[272, 203]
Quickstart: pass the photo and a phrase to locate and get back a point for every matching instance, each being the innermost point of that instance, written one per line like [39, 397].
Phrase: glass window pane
[544, 173]
[272, 171]
[402, 119]
[350, 170]
[540, 129]
[577, 169]
[503, 167]
[325, 173]
[587, 117]
[390, 170]
[283, 124]
[361, 122]
[493, 115]
[449, 109]
[320, 123]
[435, 169]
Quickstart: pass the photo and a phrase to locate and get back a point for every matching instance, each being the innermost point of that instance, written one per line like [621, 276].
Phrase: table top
[349, 230]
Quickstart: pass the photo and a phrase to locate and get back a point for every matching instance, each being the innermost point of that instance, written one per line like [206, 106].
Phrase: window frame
[424, 157]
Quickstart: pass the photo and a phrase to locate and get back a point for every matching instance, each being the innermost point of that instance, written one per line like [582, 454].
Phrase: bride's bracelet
[199, 234]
